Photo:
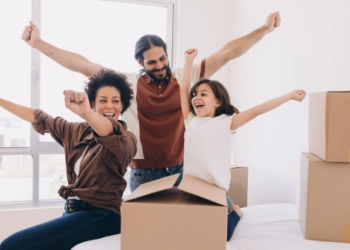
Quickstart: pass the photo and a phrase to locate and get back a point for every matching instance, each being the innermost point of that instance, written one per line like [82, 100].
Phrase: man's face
[156, 63]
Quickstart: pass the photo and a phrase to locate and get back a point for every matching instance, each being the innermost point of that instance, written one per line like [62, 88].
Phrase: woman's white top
[207, 140]
[77, 170]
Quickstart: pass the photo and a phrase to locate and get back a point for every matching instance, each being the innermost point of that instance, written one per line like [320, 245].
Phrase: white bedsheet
[263, 227]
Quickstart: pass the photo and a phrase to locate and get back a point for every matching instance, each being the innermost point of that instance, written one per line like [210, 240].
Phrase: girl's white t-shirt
[207, 140]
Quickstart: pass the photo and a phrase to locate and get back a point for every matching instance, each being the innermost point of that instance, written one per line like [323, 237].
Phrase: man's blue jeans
[139, 176]
[80, 222]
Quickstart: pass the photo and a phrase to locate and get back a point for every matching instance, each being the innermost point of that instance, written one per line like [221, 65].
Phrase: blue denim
[80, 222]
[232, 221]
[139, 176]
[232, 218]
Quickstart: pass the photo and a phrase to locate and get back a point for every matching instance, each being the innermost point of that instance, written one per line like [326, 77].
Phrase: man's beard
[156, 78]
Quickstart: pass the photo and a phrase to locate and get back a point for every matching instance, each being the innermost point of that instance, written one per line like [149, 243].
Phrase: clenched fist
[77, 102]
[298, 95]
[273, 21]
[31, 35]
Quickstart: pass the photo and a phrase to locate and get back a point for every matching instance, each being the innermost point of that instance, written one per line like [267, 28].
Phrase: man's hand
[273, 21]
[31, 35]
[77, 102]
[298, 95]
[191, 54]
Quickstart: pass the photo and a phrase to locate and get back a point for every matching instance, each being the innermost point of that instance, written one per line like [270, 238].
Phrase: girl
[97, 153]
[209, 120]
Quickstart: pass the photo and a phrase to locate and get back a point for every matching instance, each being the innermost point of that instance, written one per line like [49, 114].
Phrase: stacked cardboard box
[238, 191]
[324, 207]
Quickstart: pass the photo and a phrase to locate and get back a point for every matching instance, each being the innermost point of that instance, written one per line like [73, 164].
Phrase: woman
[97, 153]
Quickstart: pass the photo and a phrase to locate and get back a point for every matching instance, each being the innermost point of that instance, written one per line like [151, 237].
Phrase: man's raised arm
[67, 59]
[238, 47]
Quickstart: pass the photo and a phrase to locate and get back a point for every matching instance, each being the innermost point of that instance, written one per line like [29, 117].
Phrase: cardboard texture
[329, 125]
[324, 208]
[158, 216]
[238, 191]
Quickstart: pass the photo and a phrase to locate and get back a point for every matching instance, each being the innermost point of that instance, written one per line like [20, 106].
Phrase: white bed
[263, 227]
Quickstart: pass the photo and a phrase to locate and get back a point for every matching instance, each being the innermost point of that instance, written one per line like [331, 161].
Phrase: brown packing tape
[346, 233]
[349, 155]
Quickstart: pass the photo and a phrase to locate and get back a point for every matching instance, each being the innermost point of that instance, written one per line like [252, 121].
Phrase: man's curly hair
[108, 77]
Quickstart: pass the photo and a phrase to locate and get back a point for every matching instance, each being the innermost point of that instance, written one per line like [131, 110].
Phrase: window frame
[38, 147]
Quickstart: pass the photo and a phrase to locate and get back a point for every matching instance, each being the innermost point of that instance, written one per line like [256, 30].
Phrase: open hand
[298, 95]
[273, 21]
[77, 102]
[31, 34]
[190, 54]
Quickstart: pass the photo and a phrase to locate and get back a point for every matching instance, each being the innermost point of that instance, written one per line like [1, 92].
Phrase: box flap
[232, 166]
[311, 156]
[153, 187]
[345, 91]
[331, 91]
[203, 189]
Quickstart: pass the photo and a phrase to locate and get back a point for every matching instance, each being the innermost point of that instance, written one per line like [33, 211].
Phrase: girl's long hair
[220, 93]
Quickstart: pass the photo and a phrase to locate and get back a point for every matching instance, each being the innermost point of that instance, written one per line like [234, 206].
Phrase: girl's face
[204, 102]
[108, 102]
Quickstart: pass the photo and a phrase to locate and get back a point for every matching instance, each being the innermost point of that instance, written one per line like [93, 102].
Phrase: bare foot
[238, 210]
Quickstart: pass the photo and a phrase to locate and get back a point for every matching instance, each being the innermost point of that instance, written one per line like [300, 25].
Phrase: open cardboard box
[329, 125]
[159, 216]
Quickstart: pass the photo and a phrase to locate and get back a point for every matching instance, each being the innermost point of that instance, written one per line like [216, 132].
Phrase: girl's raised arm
[248, 115]
[22, 112]
[190, 55]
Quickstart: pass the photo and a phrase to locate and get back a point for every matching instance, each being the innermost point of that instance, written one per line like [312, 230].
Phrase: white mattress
[263, 227]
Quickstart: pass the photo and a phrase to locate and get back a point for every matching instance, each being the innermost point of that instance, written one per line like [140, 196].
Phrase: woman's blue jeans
[80, 222]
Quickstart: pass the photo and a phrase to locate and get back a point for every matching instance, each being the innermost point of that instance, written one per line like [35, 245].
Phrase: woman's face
[108, 102]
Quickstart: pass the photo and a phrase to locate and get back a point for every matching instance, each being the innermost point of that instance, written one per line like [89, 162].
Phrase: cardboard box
[238, 191]
[158, 216]
[324, 208]
[329, 125]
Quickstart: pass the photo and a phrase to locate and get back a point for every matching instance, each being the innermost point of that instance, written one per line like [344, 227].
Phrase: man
[155, 117]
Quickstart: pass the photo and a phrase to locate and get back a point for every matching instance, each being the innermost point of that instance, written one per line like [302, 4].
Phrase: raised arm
[78, 103]
[238, 47]
[22, 112]
[190, 55]
[69, 60]
[248, 115]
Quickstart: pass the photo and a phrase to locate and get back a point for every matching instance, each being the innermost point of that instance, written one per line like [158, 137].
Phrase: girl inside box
[209, 120]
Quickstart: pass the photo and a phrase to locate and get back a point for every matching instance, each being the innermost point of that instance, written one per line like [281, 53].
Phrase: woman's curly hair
[220, 93]
[108, 77]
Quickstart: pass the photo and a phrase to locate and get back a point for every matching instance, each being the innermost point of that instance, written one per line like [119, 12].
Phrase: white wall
[311, 51]
[205, 25]
[12, 221]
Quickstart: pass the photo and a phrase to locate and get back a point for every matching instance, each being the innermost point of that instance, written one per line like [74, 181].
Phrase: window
[15, 62]
[32, 166]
